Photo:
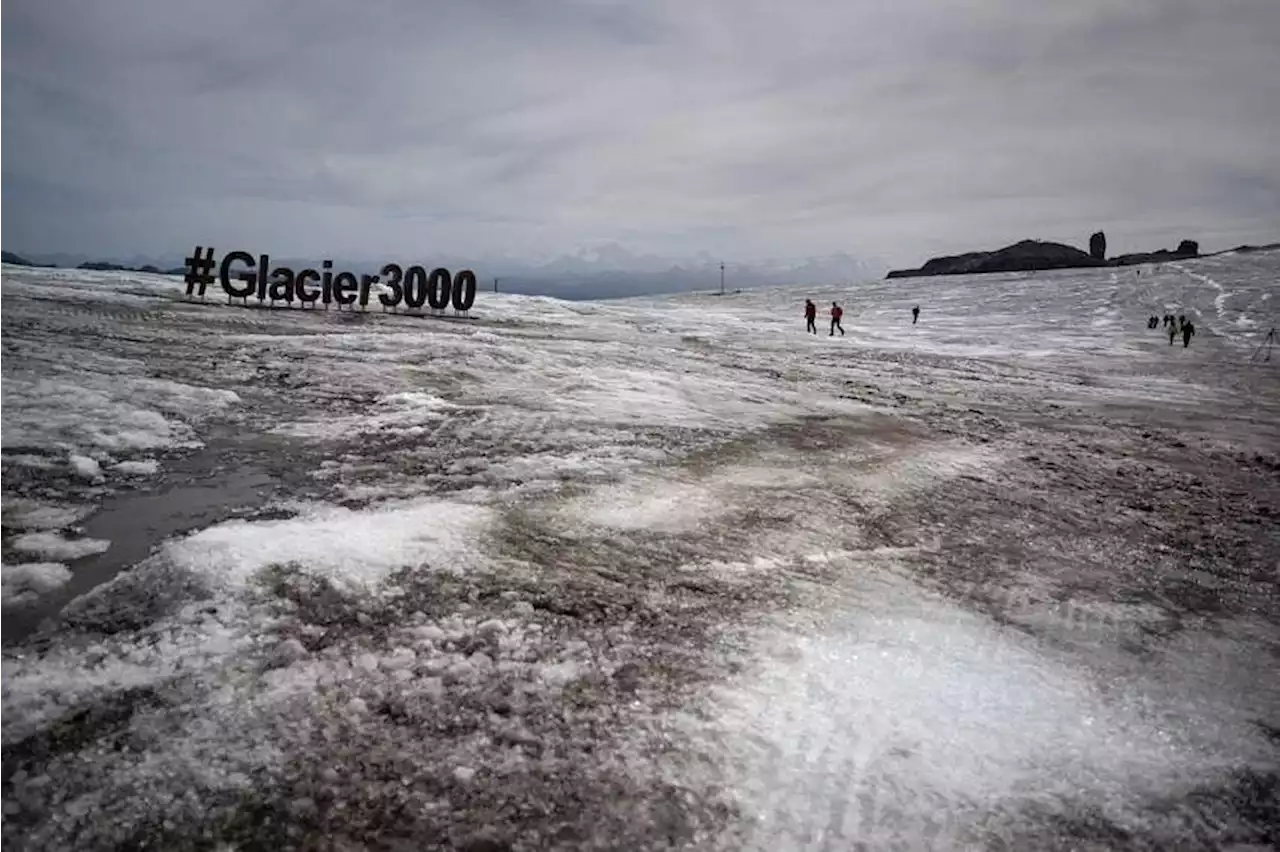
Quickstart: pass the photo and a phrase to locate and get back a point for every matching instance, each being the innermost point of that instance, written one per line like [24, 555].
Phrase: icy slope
[644, 573]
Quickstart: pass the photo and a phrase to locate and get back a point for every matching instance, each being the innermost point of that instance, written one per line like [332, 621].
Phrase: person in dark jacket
[1188, 329]
[836, 313]
[915, 314]
[810, 315]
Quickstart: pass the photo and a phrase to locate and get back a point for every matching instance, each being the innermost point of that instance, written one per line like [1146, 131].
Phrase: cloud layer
[740, 127]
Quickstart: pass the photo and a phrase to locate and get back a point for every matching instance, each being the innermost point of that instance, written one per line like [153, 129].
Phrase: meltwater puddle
[897, 720]
[197, 491]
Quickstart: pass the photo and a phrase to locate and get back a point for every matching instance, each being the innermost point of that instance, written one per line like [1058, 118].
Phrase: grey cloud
[742, 127]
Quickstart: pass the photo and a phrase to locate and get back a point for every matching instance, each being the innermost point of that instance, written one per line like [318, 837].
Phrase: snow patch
[86, 468]
[398, 412]
[922, 468]
[26, 582]
[112, 413]
[146, 467]
[51, 545]
[654, 505]
[983, 715]
[28, 460]
[352, 549]
[25, 514]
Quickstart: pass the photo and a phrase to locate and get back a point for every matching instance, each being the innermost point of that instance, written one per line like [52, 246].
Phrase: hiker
[810, 314]
[1182, 320]
[1187, 331]
[915, 314]
[836, 313]
[1173, 332]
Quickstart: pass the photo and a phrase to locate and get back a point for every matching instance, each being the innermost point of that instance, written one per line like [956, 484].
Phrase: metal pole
[722, 278]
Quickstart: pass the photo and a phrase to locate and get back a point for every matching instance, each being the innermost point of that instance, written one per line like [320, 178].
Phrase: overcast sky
[745, 128]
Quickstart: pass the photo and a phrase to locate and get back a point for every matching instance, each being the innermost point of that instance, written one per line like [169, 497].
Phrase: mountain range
[608, 270]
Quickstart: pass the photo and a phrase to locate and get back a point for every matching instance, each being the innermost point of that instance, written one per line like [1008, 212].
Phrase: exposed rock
[1026, 255]
[105, 266]
[1186, 249]
[1030, 255]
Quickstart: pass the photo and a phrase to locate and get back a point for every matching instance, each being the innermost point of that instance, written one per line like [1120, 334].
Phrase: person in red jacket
[836, 313]
[810, 314]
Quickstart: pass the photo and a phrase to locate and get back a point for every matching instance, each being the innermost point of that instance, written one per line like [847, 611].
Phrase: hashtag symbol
[199, 270]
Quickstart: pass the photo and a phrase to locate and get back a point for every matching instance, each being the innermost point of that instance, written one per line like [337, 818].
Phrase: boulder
[1190, 247]
[1098, 246]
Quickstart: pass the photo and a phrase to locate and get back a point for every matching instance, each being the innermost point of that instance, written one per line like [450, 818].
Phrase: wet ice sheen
[899, 720]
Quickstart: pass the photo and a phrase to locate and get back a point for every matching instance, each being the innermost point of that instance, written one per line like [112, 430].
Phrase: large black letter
[249, 279]
[366, 282]
[264, 263]
[326, 282]
[415, 286]
[345, 286]
[392, 271]
[464, 290]
[305, 295]
[439, 289]
[281, 284]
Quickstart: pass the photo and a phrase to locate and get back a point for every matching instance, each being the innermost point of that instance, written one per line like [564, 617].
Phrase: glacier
[658, 572]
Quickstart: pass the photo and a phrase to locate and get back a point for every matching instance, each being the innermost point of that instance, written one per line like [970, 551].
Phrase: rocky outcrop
[1031, 255]
[1019, 257]
[104, 266]
[1248, 249]
[1098, 246]
[1185, 249]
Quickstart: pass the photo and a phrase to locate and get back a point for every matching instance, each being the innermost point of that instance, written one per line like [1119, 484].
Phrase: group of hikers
[811, 315]
[1175, 326]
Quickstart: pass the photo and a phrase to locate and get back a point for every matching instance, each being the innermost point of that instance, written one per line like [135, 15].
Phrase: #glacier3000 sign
[242, 276]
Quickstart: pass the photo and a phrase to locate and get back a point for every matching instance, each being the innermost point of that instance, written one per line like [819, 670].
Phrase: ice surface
[104, 412]
[24, 514]
[549, 481]
[899, 715]
[86, 468]
[144, 467]
[25, 582]
[397, 413]
[51, 545]
[352, 549]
